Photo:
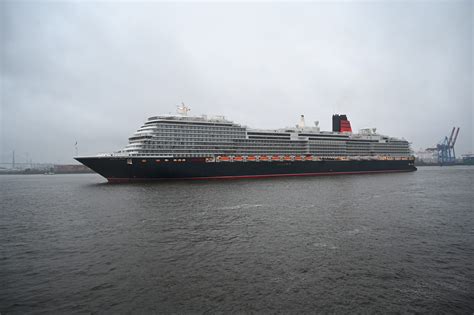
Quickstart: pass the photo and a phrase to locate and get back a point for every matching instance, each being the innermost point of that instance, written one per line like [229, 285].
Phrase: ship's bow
[108, 167]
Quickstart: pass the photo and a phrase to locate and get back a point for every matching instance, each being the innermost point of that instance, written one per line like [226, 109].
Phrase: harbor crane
[445, 148]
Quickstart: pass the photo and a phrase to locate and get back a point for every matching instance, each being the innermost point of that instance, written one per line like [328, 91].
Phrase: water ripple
[398, 243]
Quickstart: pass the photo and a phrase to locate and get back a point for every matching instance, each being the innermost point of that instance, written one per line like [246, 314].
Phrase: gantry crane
[445, 148]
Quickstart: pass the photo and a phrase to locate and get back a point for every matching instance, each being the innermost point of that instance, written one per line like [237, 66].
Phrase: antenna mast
[183, 109]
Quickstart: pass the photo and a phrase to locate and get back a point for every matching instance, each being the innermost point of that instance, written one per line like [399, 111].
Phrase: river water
[338, 244]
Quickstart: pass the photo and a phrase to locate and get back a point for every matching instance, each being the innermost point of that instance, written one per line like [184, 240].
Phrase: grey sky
[93, 72]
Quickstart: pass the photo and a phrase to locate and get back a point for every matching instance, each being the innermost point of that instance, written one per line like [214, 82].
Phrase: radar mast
[183, 109]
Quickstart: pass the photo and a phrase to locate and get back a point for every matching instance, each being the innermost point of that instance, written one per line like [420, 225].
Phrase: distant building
[70, 169]
[426, 156]
[468, 159]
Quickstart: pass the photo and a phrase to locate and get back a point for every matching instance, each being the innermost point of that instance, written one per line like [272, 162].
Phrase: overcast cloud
[93, 72]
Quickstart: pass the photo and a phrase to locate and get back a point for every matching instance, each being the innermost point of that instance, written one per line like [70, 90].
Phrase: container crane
[445, 148]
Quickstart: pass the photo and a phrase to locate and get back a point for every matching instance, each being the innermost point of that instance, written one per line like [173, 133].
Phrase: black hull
[119, 169]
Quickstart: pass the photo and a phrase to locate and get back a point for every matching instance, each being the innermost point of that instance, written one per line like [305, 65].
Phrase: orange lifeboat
[225, 159]
[298, 158]
[275, 158]
[263, 158]
[287, 158]
[251, 158]
[238, 158]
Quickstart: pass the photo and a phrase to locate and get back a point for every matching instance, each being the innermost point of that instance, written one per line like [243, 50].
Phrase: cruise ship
[181, 146]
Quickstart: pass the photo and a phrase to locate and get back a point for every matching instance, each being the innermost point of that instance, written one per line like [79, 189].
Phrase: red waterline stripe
[124, 180]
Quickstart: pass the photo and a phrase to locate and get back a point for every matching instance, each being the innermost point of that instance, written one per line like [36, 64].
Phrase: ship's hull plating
[119, 169]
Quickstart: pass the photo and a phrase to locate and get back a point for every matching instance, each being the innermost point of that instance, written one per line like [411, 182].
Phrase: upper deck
[201, 136]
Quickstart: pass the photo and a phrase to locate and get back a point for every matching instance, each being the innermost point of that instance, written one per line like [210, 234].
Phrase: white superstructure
[201, 136]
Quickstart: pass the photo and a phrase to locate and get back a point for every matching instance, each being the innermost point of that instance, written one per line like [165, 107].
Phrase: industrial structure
[445, 148]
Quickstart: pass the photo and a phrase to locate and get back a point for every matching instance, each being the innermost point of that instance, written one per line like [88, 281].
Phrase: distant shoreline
[43, 173]
[437, 164]
[54, 169]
